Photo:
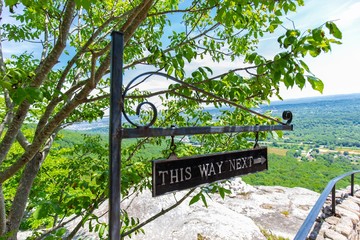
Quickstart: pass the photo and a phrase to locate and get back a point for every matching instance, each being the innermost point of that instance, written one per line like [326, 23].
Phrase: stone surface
[278, 210]
[350, 205]
[187, 222]
[344, 212]
[282, 210]
[354, 199]
[331, 234]
[345, 230]
[332, 220]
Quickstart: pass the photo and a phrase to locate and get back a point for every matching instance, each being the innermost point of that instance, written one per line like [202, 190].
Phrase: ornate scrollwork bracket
[133, 83]
[287, 115]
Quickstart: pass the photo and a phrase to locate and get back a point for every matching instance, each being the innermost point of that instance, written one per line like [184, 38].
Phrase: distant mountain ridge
[317, 99]
[102, 125]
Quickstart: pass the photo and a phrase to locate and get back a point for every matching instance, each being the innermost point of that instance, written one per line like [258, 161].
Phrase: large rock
[190, 222]
[243, 215]
[277, 209]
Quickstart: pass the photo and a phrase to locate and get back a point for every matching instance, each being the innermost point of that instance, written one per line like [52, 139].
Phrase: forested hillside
[324, 144]
[328, 121]
[326, 135]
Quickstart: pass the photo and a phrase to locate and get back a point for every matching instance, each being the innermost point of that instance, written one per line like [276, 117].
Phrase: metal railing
[313, 214]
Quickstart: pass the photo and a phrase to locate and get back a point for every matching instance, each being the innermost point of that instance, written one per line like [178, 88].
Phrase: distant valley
[328, 121]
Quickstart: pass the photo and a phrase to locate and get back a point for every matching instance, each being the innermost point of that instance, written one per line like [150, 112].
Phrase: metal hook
[256, 145]
[172, 147]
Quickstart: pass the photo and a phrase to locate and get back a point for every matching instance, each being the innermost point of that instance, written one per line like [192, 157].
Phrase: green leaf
[195, 199]
[305, 66]
[250, 58]
[42, 211]
[300, 80]
[11, 2]
[209, 70]
[204, 200]
[335, 41]
[34, 93]
[334, 30]
[222, 192]
[316, 83]
[6, 85]
[83, 3]
[18, 95]
[288, 80]
[315, 52]
[318, 34]
[260, 70]
[170, 70]
[278, 12]
[60, 232]
[276, 76]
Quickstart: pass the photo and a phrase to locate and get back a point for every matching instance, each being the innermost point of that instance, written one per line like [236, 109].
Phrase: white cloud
[16, 48]
[349, 15]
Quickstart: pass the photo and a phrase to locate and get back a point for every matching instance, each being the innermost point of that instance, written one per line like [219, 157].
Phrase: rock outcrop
[243, 215]
[246, 214]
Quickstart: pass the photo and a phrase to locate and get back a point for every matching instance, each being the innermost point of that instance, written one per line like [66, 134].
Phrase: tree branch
[172, 48]
[47, 130]
[40, 75]
[22, 140]
[190, 10]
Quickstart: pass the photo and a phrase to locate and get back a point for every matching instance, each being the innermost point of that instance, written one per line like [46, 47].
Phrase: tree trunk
[2, 212]
[22, 194]
[2, 127]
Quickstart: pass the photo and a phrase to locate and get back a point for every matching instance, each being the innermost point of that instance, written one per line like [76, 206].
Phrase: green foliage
[75, 179]
[270, 236]
[314, 175]
[332, 121]
[17, 78]
[206, 191]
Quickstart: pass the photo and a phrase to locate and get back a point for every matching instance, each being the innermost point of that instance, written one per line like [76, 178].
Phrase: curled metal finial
[287, 115]
[133, 84]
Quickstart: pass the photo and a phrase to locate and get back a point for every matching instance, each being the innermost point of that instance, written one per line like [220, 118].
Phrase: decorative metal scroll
[138, 109]
[146, 131]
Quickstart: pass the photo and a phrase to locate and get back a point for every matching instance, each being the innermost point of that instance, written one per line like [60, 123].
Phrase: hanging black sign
[178, 174]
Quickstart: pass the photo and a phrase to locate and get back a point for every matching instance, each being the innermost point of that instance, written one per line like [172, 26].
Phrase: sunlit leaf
[316, 83]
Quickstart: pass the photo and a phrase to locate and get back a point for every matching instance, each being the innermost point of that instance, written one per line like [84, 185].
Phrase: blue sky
[338, 69]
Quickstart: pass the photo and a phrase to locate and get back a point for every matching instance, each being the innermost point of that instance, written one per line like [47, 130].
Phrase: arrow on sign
[259, 160]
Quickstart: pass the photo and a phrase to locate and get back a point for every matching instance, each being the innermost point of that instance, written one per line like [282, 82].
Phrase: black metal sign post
[179, 174]
[230, 164]
[116, 78]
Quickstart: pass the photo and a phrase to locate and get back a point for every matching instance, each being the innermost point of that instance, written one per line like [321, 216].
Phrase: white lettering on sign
[176, 175]
[240, 163]
[209, 169]
[206, 170]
